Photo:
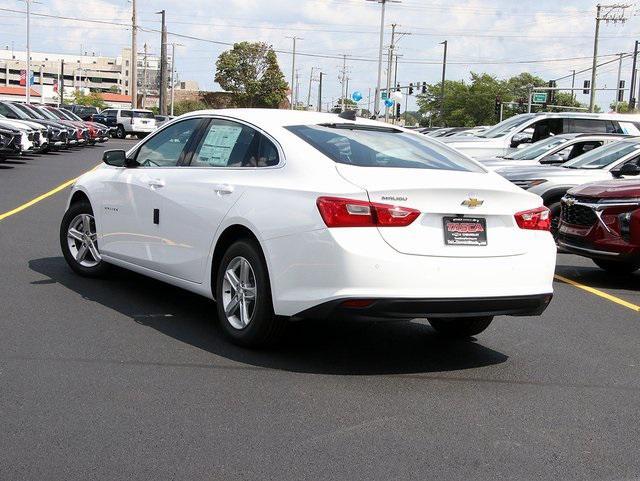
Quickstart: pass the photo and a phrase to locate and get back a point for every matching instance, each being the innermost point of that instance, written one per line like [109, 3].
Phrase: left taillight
[340, 212]
[534, 219]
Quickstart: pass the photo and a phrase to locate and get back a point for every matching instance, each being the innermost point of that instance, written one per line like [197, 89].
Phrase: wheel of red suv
[243, 297]
[461, 327]
[120, 132]
[618, 268]
[78, 241]
[555, 209]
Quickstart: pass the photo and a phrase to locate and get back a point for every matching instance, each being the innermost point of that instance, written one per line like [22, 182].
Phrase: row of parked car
[33, 128]
[585, 168]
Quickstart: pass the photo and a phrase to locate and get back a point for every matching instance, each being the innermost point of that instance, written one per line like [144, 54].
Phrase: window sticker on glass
[218, 144]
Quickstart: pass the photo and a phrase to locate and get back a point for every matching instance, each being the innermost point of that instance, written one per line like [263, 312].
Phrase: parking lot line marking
[599, 293]
[53, 191]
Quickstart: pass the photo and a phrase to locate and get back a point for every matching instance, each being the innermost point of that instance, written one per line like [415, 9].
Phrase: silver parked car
[552, 151]
[552, 183]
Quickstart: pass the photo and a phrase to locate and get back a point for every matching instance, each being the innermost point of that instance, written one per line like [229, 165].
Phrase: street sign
[539, 97]
[384, 95]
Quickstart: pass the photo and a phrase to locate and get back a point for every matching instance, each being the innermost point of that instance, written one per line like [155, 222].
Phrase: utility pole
[444, 74]
[376, 102]
[133, 82]
[28, 76]
[310, 83]
[609, 13]
[389, 66]
[346, 93]
[618, 82]
[320, 92]
[297, 88]
[632, 87]
[61, 83]
[293, 65]
[173, 72]
[573, 84]
[144, 77]
[343, 76]
[163, 64]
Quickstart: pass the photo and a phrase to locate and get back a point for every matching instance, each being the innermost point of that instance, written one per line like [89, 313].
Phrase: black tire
[120, 132]
[76, 209]
[555, 209]
[264, 327]
[141, 136]
[617, 268]
[461, 327]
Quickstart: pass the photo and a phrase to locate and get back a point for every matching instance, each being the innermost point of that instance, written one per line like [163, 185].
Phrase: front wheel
[617, 268]
[79, 243]
[461, 327]
[243, 297]
[120, 132]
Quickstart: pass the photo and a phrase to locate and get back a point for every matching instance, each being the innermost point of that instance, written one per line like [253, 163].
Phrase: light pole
[133, 82]
[28, 76]
[444, 73]
[173, 72]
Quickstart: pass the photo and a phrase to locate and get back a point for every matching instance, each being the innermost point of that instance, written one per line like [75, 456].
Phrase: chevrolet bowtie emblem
[569, 201]
[472, 202]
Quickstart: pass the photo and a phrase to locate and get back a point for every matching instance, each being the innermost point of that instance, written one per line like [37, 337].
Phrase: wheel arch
[228, 236]
[77, 195]
[554, 195]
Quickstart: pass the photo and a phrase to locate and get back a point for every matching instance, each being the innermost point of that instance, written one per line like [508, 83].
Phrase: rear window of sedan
[373, 146]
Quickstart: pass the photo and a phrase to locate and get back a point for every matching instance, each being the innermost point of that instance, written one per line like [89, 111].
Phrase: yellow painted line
[599, 293]
[53, 191]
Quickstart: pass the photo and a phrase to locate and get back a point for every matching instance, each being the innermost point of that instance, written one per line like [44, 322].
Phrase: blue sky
[483, 36]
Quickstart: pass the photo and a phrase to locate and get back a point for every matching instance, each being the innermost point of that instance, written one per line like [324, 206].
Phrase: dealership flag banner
[23, 78]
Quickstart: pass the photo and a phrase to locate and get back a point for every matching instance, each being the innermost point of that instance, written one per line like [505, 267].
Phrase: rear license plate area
[465, 231]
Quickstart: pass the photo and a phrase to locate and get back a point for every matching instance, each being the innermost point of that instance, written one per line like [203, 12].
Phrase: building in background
[88, 72]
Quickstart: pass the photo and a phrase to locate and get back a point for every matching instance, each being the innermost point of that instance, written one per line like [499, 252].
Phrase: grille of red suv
[578, 214]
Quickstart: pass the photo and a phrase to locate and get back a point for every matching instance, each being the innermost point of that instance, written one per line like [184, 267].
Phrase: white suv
[130, 122]
[525, 129]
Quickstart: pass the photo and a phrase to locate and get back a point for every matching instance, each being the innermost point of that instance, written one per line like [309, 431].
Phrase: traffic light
[552, 93]
[424, 87]
[397, 110]
[621, 91]
[411, 89]
[586, 87]
[498, 103]
[398, 88]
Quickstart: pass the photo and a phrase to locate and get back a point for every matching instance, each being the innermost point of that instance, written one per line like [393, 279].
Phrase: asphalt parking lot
[129, 378]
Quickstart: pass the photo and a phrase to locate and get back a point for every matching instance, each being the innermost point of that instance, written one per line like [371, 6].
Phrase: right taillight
[340, 212]
[534, 219]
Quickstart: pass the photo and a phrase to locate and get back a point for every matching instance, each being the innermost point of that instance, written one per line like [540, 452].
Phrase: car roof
[283, 118]
[588, 115]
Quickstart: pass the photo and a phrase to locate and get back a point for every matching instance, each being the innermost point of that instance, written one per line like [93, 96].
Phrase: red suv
[601, 220]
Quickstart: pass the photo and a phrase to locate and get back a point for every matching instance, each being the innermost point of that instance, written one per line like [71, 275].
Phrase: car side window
[587, 126]
[126, 114]
[168, 147]
[231, 144]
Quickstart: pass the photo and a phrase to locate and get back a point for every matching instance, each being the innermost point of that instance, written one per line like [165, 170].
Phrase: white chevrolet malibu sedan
[282, 215]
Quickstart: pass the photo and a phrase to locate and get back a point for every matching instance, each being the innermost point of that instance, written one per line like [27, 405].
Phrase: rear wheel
[243, 297]
[79, 243]
[120, 132]
[461, 327]
[618, 268]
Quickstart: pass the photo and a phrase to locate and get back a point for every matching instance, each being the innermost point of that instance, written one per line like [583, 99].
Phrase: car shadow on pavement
[331, 347]
[599, 278]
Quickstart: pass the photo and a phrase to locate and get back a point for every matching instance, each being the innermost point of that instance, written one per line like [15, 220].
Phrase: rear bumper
[381, 309]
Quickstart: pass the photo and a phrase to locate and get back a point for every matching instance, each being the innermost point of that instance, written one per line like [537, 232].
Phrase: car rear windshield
[143, 115]
[372, 146]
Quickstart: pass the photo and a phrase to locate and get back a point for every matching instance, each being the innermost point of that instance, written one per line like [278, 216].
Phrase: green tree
[185, 106]
[93, 99]
[623, 107]
[250, 70]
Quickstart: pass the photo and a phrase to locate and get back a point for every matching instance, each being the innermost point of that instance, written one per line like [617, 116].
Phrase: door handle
[155, 183]
[223, 189]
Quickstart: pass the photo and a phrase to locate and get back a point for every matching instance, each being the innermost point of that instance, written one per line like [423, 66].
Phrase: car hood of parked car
[609, 189]
[541, 172]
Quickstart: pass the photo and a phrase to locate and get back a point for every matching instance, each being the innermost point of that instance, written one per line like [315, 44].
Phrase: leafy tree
[93, 99]
[250, 70]
[185, 106]
[623, 107]
[114, 89]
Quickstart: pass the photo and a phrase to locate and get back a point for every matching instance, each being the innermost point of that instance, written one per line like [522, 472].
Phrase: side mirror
[552, 159]
[519, 139]
[627, 169]
[116, 158]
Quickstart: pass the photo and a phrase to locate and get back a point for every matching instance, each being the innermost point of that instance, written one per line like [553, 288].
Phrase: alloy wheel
[82, 240]
[239, 292]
